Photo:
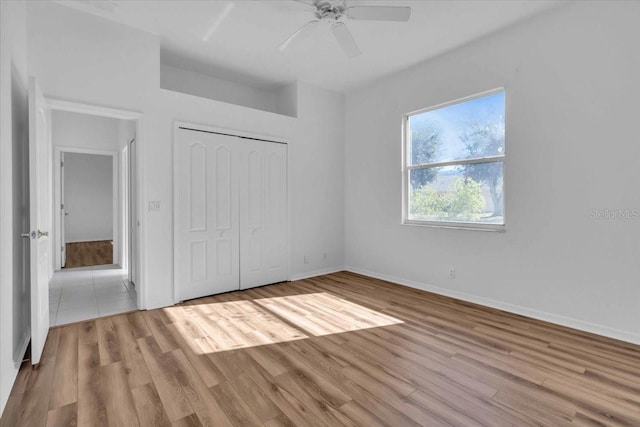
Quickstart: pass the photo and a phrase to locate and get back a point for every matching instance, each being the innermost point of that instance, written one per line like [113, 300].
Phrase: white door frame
[123, 213]
[57, 199]
[233, 132]
[96, 110]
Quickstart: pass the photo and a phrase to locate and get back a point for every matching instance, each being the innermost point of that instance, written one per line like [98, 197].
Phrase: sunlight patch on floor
[323, 314]
[232, 325]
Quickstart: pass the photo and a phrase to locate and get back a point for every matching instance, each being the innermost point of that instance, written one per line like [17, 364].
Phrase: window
[454, 163]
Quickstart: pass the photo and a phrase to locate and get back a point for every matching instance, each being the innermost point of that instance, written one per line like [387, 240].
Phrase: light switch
[154, 206]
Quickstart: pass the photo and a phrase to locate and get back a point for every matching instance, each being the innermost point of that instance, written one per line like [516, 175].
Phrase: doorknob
[25, 235]
[42, 233]
[66, 214]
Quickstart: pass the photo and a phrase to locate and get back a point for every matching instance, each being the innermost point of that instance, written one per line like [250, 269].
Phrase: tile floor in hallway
[78, 294]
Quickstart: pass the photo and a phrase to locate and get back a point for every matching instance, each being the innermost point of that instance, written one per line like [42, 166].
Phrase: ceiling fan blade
[306, 27]
[305, 3]
[346, 40]
[379, 13]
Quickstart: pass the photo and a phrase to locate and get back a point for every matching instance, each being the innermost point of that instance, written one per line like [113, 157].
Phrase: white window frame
[406, 168]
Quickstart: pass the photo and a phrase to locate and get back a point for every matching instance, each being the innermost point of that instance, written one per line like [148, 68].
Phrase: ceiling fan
[332, 12]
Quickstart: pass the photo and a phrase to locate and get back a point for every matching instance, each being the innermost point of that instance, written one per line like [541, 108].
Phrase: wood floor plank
[157, 322]
[121, 411]
[22, 379]
[314, 399]
[340, 349]
[201, 363]
[330, 364]
[65, 375]
[289, 404]
[465, 400]
[132, 360]
[189, 421]
[149, 406]
[11, 413]
[279, 422]
[34, 406]
[534, 408]
[108, 342]
[138, 325]
[257, 400]
[617, 409]
[207, 409]
[91, 395]
[162, 369]
[63, 416]
[235, 408]
[360, 415]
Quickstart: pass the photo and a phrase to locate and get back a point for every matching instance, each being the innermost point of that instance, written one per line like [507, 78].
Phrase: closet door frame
[182, 125]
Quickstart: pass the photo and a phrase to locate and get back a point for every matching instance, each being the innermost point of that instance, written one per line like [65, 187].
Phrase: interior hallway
[78, 294]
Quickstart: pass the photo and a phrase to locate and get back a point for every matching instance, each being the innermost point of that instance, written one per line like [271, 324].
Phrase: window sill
[456, 225]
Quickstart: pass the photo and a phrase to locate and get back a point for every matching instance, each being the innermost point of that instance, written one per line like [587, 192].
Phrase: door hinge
[62, 248]
[61, 164]
[62, 206]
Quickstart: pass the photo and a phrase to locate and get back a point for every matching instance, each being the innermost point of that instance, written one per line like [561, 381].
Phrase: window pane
[462, 193]
[469, 129]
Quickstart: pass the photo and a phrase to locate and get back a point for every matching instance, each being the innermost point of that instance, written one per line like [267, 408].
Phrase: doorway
[89, 199]
[93, 200]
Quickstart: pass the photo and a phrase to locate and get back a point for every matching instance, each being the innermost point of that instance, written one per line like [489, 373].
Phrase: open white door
[63, 215]
[39, 168]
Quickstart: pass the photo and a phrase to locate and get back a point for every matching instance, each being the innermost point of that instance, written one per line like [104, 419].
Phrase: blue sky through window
[453, 121]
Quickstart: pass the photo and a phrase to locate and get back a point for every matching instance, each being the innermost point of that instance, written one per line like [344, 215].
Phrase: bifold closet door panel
[275, 218]
[207, 214]
[252, 206]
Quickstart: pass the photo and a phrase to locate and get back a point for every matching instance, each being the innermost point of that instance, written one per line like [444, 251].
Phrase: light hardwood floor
[340, 349]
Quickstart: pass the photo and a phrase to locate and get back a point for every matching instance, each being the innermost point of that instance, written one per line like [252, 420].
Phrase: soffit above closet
[238, 40]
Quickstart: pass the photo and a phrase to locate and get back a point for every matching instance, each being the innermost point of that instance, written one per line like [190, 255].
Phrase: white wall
[87, 59]
[197, 84]
[126, 132]
[14, 284]
[316, 182]
[88, 197]
[84, 131]
[572, 87]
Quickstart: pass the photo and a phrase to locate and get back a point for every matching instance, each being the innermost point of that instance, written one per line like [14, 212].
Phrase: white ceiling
[238, 40]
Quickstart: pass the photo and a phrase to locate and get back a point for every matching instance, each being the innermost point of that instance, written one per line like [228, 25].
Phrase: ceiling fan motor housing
[330, 11]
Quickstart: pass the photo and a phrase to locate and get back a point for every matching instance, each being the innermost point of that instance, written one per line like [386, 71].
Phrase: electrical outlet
[452, 273]
[306, 259]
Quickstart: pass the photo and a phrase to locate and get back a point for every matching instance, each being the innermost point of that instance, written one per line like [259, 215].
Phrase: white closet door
[275, 217]
[208, 222]
[252, 206]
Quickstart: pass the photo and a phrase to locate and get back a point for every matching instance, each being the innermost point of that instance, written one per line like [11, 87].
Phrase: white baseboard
[594, 328]
[315, 273]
